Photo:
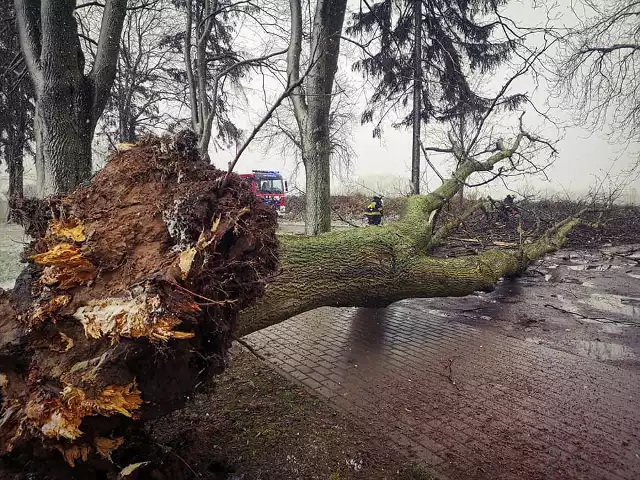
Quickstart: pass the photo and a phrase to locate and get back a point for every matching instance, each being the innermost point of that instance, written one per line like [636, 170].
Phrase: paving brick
[517, 410]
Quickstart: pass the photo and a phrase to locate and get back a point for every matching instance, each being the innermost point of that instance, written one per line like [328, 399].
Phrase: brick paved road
[470, 402]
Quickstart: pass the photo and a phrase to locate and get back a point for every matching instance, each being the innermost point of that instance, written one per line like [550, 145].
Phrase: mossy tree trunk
[375, 266]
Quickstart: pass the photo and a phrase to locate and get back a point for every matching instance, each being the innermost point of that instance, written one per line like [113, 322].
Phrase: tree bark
[417, 96]
[316, 157]
[66, 132]
[312, 104]
[15, 163]
[68, 101]
[374, 267]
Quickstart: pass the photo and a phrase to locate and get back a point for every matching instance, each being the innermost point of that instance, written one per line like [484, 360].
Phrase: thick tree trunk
[312, 104]
[371, 269]
[68, 101]
[375, 266]
[316, 159]
[417, 96]
[15, 163]
[66, 130]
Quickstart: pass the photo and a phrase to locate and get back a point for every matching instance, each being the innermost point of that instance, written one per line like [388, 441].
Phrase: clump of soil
[128, 303]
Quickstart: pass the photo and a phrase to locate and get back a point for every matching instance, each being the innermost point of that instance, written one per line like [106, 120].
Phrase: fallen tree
[376, 266]
[137, 283]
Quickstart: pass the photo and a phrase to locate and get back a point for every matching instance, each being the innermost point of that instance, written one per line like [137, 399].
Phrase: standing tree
[69, 98]
[312, 103]
[213, 64]
[282, 134]
[16, 107]
[426, 50]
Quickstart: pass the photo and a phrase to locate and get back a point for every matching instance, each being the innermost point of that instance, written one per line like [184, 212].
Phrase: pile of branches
[601, 224]
[128, 304]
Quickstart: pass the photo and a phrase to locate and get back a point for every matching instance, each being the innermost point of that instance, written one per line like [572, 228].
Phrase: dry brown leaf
[61, 418]
[73, 453]
[60, 344]
[123, 399]
[185, 261]
[124, 146]
[62, 423]
[47, 308]
[70, 229]
[68, 342]
[133, 318]
[4, 381]
[114, 399]
[65, 266]
[60, 254]
[105, 446]
[215, 224]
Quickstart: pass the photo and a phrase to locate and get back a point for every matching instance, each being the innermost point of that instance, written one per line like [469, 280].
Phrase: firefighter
[508, 200]
[373, 212]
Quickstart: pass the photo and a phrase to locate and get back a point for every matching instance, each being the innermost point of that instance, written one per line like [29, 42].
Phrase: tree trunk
[15, 164]
[417, 96]
[66, 129]
[316, 157]
[68, 101]
[378, 265]
[312, 105]
[126, 126]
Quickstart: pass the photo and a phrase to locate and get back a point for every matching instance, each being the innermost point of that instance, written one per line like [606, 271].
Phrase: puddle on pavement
[592, 268]
[605, 351]
[437, 313]
[613, 328]
[627, 306]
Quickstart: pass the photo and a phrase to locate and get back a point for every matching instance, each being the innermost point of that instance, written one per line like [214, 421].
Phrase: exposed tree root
[128, 302]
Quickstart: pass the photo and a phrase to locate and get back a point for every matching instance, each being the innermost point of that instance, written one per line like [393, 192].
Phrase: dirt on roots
[128, 303]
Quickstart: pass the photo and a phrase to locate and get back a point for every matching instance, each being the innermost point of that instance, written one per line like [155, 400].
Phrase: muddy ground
[255, 424]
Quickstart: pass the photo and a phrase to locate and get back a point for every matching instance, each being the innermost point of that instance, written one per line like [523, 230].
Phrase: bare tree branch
[28, 19]
[104, 66]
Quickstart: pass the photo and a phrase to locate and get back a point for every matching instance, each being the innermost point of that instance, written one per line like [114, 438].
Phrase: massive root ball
[129, 299]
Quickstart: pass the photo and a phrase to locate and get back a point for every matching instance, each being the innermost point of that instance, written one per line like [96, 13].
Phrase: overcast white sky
[384, 164]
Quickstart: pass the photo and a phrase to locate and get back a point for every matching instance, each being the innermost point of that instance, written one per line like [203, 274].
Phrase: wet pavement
[539, 379]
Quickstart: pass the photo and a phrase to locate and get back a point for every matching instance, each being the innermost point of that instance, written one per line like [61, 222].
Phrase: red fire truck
[268, 185]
